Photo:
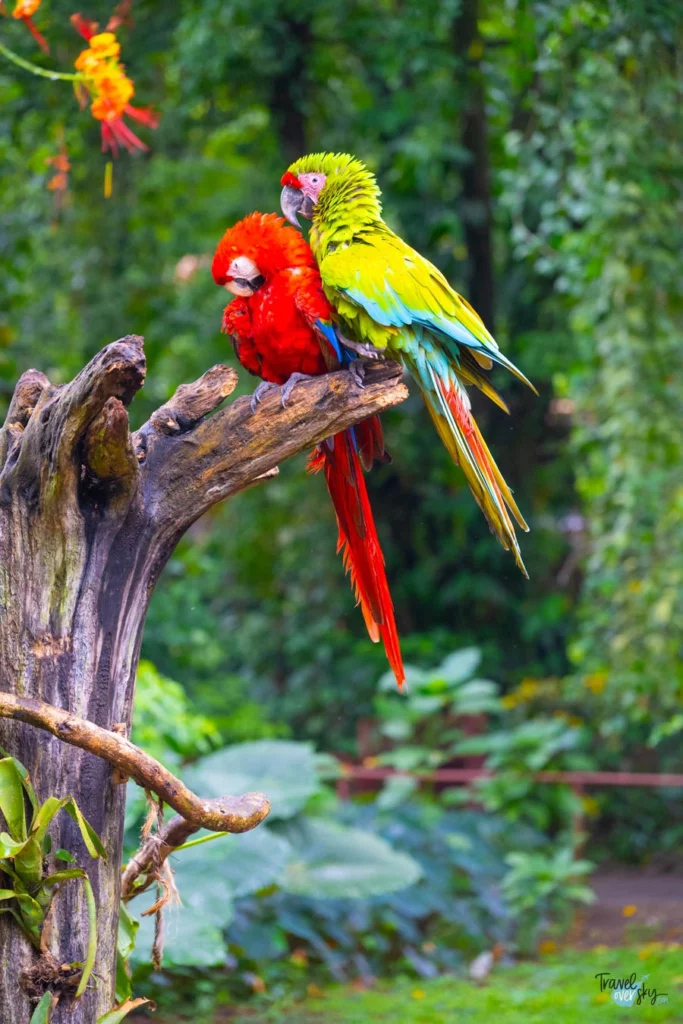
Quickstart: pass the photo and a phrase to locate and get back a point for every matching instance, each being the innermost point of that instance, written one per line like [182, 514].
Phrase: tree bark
[89, 515]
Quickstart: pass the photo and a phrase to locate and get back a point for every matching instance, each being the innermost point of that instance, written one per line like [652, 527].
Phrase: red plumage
[275, 334]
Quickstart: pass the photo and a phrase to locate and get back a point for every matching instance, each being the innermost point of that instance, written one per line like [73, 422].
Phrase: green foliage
[127, 935]
[116, 1015]
[595, 197]
[286, 771]
[420, 723]
[165, 726]
[334, 862]
[254, 616]
[23, 852]
[43, 1011]
[296, 851]
[541, 888]
[416, 718]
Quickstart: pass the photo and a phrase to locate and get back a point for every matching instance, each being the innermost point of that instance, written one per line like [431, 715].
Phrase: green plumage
[388, 295]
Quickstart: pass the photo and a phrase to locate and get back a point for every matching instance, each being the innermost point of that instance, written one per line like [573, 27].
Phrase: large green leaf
[117, 1015]
[283, 770]
[91, 951]
[209, 877]
[127, 936]
[90, 837]
[41, 1014]
[128, 929]
[12, 798]
[25, 779]
[9, 847]
[245, 863]
[459, 666]
[193, 931]
[335, 862]
[29, 862]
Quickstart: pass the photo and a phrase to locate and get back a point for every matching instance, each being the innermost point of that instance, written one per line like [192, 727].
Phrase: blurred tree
[597, 202]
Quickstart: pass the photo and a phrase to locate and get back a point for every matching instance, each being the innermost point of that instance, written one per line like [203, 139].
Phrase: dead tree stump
[89, 515]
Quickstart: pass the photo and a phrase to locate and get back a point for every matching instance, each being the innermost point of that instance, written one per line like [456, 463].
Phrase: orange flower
[25, 8]
[24, 11]
[112, 92]
[109, 88]
[105, 44]
[60, 180]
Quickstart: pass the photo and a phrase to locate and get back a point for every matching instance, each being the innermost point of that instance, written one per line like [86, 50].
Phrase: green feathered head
[334, 189]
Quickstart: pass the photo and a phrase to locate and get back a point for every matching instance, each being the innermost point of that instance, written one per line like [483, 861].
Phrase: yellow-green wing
[381, 285]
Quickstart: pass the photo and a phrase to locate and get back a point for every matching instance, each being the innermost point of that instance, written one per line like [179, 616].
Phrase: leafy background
[532, 150]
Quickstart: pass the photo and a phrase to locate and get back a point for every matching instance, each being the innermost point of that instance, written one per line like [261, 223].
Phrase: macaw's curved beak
[292, 202]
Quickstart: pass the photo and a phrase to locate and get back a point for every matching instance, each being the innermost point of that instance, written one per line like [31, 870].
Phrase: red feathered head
[262, 241]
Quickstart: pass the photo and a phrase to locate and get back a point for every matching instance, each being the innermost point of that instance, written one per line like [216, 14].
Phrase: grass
[558, 989]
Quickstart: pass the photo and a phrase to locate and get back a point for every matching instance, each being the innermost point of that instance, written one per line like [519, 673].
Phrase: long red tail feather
[358, 541]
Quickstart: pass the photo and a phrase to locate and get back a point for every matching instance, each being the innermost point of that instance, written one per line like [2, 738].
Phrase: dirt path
[633, 905]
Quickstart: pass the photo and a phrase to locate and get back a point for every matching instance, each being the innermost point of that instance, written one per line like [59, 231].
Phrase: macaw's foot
[357, 371]
[364, 351]
[295, 379]
[261, 391]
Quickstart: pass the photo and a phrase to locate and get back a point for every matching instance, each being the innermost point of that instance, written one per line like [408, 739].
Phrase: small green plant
[514, 754]
[423, 722]
[541, 887]
[23, 849]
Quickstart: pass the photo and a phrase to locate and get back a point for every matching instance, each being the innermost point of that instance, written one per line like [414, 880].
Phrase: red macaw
[283, 329]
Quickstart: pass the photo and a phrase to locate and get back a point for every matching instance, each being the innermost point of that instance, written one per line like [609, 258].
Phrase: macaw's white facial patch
[243, 277]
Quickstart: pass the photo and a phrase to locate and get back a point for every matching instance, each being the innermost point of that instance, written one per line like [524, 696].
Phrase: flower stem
[203, 839]
[35, 70]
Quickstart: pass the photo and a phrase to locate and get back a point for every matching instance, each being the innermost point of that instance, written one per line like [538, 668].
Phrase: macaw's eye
[314, 180]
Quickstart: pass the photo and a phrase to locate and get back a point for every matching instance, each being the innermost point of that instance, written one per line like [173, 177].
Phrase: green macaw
[391, 299]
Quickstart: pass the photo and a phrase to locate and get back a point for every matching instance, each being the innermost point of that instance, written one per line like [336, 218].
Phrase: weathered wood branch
[30, 387]
[195, 463]
[222, 814]
[89, 515]
[49, 448]
[108, 452]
